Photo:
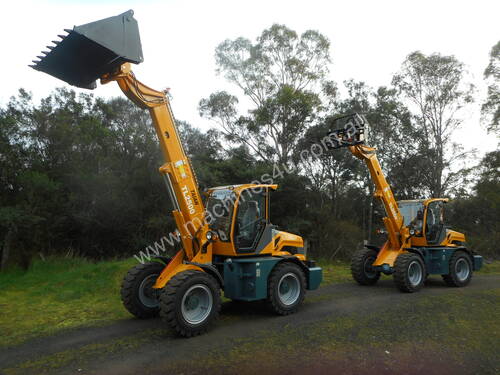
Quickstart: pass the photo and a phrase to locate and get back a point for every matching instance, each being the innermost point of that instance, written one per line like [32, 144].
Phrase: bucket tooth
[35, 61]
[92, 50]
[40, 57]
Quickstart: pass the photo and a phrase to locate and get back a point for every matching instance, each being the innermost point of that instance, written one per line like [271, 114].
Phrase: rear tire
[137, 294]
[361, 267]
[286, 288]
[190, 302]
[409, 272]
[460, 270]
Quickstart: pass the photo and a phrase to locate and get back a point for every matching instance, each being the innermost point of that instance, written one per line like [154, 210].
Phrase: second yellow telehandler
[418, 241]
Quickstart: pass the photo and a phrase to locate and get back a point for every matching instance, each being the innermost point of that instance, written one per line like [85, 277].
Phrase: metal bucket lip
[89, 51]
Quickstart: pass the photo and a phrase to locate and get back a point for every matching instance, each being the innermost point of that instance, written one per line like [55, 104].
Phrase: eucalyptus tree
[491, 107]
[437, 88]
[280, 77]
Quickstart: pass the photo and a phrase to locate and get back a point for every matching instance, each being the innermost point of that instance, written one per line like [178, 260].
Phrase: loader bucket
[89, 51]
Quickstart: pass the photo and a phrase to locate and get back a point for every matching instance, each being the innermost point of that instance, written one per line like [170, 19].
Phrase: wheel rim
[415, 273]
[462, 269]
[368, 269]
[289, 289]
[196, 304]
[147, 295]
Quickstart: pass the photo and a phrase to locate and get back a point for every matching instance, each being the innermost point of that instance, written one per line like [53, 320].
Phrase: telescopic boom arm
[352, 135]
[181, 180]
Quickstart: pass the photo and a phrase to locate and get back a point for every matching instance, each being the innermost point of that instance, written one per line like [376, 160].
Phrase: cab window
[250, 218]
[413, 214]
[219, 212]
[434, 221]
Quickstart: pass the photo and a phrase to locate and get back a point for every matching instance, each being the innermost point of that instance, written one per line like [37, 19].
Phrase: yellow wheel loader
[418, 241]
[227, 240]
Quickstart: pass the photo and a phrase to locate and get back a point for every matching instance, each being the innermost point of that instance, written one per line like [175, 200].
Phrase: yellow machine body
[104, 50]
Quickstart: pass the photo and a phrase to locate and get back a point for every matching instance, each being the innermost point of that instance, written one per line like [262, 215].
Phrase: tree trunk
[7, 245]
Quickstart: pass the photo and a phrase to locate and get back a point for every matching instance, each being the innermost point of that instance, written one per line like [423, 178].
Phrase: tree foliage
[78, 174]
[280, 75]
[491, 107]
[436, 85]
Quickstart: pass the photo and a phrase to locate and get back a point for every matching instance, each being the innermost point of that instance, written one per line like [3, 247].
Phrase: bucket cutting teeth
[92, 50]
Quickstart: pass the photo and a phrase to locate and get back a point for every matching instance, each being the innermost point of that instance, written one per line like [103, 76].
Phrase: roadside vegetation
[57, 294]
[62, 293]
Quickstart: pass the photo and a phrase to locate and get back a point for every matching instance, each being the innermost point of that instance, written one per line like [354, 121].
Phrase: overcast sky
[369, 41]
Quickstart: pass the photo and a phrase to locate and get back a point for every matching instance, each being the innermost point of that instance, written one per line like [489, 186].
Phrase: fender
[293, 259]
[211, 270]
[415, 250]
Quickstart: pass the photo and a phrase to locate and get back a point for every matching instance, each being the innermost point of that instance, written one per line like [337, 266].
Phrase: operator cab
[240, 214]
[426, 217]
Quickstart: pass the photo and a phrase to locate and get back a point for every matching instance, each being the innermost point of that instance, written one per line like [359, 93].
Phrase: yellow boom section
[181, 180]
[394, 220]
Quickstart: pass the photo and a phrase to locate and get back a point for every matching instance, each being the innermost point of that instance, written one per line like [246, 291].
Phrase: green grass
[58, 294]
[68, 293]
[335, 272]
[490, 268]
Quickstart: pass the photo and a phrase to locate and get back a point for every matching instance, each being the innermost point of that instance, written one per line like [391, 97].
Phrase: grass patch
[68, 293]
[58, 294]
[335, 272]
[490, 268]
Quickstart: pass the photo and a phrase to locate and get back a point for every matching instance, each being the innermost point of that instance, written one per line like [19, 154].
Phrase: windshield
[219, 211]
[410, 210]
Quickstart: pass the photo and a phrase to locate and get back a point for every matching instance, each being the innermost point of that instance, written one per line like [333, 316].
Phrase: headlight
[210, 235]
[412, 232]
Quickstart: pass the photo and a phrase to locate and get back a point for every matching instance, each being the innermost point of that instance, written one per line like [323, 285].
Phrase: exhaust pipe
[91, 50]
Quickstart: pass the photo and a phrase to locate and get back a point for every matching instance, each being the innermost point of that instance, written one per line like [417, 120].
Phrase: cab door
[434, 223]
[251, 219]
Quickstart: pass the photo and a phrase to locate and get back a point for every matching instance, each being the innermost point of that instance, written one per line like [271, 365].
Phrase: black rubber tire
[171, 301]
[358, 270]
[273, 301]
[401, 272]
[130, 289]
[452, 278]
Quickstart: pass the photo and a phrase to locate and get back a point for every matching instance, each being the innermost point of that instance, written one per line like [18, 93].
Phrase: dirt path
[247, 334]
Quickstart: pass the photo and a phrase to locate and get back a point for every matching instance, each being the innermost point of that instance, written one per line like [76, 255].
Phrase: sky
[369, 41]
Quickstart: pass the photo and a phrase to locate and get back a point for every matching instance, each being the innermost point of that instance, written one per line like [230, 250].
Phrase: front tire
[286, 288]
[460, 270]
[409, 272]
[361, 267]
[190, 302]
[137, 293]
